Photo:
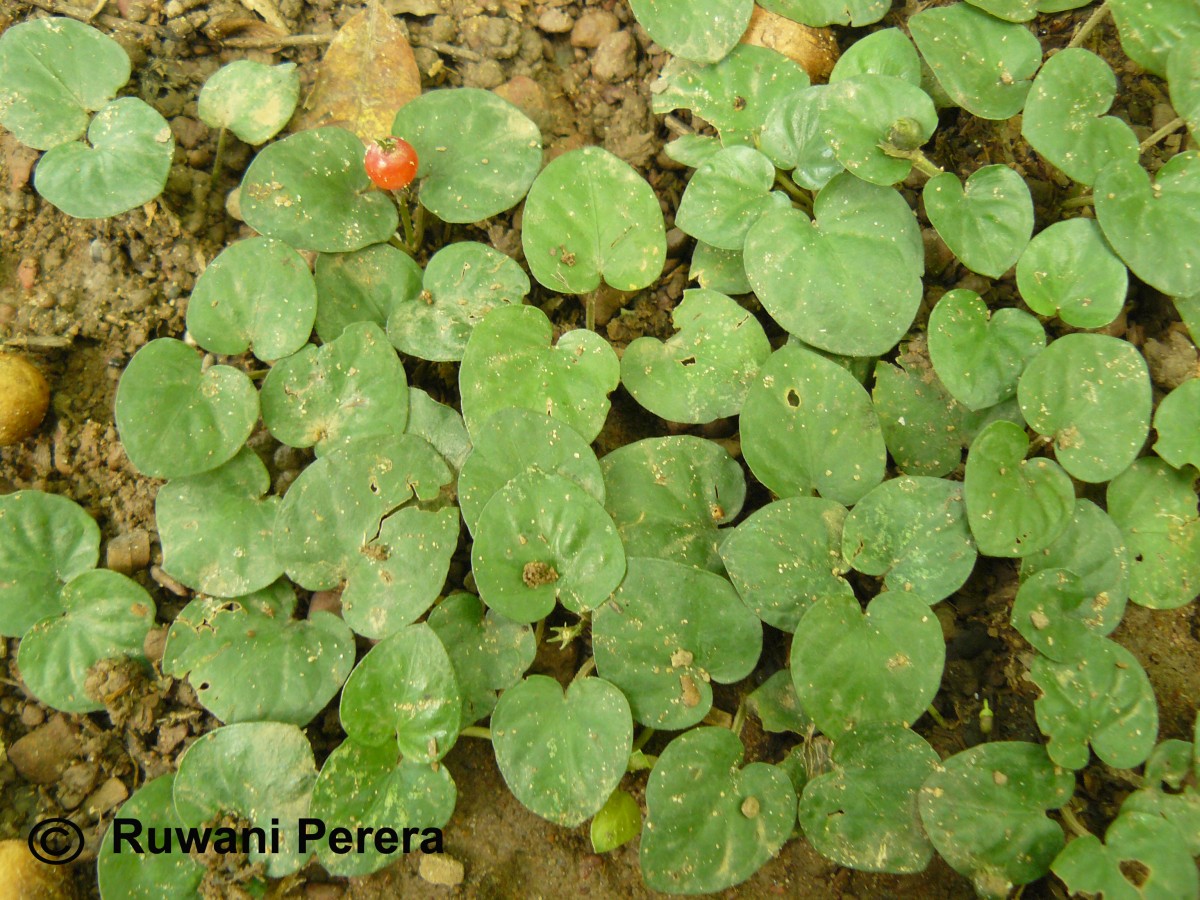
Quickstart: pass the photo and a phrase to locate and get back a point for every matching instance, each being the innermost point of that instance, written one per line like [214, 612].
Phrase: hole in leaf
[793, 398]
[688, 361]
[1135, 871]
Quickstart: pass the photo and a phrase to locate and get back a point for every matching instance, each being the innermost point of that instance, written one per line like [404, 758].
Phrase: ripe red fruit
[391, 163]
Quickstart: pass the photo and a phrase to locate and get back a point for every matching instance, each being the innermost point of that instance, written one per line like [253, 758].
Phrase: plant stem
[937, 717]
[1090, 25]
[1073, 822]
[739, 718]
[589, 310]
[476, 731]
[642, 740]
[539, 632]
[217, 158]
[793, 190]
[920, 161]
[1171, 126]
[585, 670]
[1077, 202]
[410, 236]
[418, 227]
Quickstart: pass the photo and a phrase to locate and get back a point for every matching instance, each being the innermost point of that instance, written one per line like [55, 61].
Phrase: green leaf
[45, 541]
[985, 65]
[1170, 788]
[1011, 10]
[491, 653]
[1149, 226]
[1093, 548]
[808, 425]
[704, 32]
[216, 528]
[735, 95]
[477, 153]
[257, 294]
[364, 286]
[987, 223]
[404, 689]
[703, 371]
[1155, 508]
[147, 876]
[1177, 421]
[440, 425]
[590, 216]
[1064, 117]
[978, 354]
[515, 441]
[1015, 506]
[777, 706]
[214, 408]
[1069, 270]
[1183, 78]
[258, 772]
[248, 660]
[786, 556]
[252, 100]
[669, 631]
[913, 532]
[718, 270]
[53, 73]
[1148, 32]
[104, 616]
[669, 495]
[851, 284]
[710, 824]
[793, 137]
[984, 811]
[1164, 865]
[830, 12]
[863, 113]
[885, 52]
[922, 424]
[863, 814]
[1091, 394]
[540, 540]
[617, 823]
[463, 283]
[350, 390]
[124, 163]
[882, 666]
[365, 787]
[510, 361]
[1060, 617]
[693, 150]
[310, 190]
[1103, 698]
[562, 753]
[726, 195]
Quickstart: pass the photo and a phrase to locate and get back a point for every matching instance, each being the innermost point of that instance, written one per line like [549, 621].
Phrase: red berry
[391, 163]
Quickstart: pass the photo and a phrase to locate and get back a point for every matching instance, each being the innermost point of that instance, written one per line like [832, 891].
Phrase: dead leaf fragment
[815, 49]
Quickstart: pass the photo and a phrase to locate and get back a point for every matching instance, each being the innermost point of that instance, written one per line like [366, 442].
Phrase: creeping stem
[1090, 25]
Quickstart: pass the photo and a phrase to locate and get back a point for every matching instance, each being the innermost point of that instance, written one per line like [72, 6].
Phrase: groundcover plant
[890, 436]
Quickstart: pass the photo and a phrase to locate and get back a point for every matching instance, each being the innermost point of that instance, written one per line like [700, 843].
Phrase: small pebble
[554, 21]
[438, 868]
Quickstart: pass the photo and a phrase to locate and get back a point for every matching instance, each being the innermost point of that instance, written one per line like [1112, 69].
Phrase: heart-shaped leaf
[1064, 117]
[478, 153]
[510, 361]
[922, 424]
[590, 216]
[986, 65]
[364, 787]
[669, 631]
[669, 495]
[542, 539]
[702, 32]
[1149, 225]
[710, 824]
[785, 556]
[1016, 506]
[562, 753]
[1092, 548]
[865, 114]
[702, 372]
[216, 528]
[1155, 508]
[1069, 270]
[1170, 788]
[124, 163]
[913, 532]
[105, 616]
[463, 283]
[45, 541]
[850, 285]
[1177, 421]
[618, 822]
[978, 354]
[1148, 32]
[310, 190]
[257, 294]
[1091, 394]
[987, 223]
[1164, 865]
[248, 660]
[364, 286]
[251, 99]
[984, 811]
[1102, 698]
[53, 73]
[829, 12]
[1059, 616]
[215, 408]
[793, 137]
[726, 195]
[885, 52]
[227, 773]
[863, 814]
[882, 666]
[807, 425]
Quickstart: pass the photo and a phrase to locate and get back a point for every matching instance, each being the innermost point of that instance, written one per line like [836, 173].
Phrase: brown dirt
[83, 296]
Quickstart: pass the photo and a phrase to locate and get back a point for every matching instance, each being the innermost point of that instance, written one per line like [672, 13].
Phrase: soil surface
[82, 296]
